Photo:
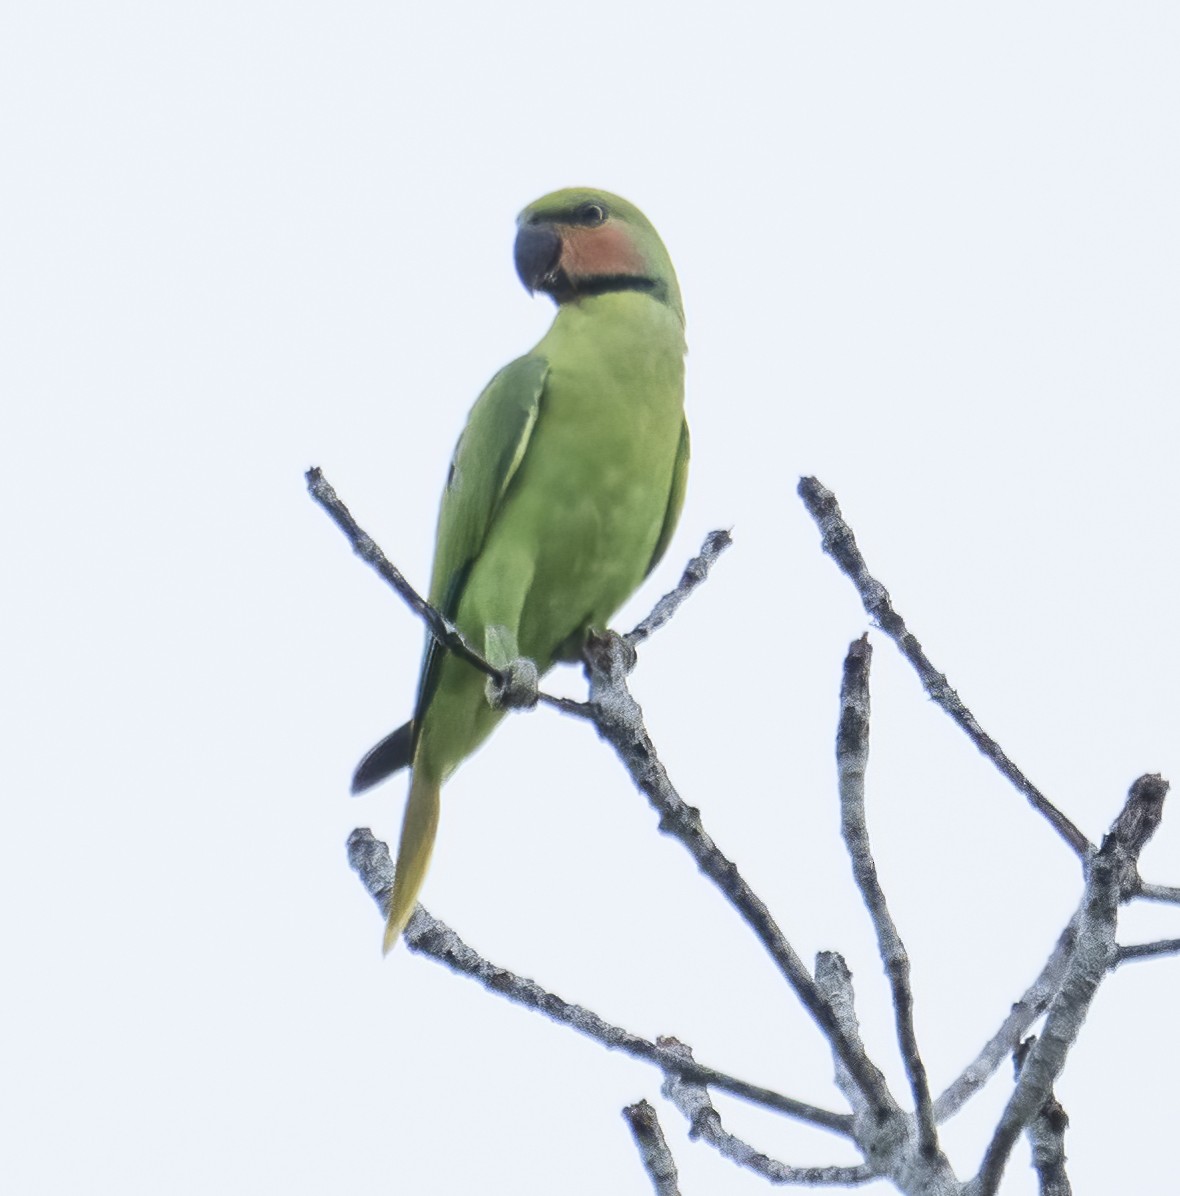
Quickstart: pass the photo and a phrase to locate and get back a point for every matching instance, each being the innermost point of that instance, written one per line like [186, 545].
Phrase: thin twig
[692, 1099]
[852, 755]
[1134, 951]
[364, 546]
[695, 572]
[1112, 874]
[566, 705]
[426, 935]
[1000, 1046]
[619, 720]
[653, 1148]
[1167, 894]
[840, 544]
[452, 638]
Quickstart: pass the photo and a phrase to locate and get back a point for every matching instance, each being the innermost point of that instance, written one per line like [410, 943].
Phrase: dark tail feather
[384, 759]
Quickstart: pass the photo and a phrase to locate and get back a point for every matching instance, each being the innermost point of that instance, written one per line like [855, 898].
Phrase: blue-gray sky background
[929, 253]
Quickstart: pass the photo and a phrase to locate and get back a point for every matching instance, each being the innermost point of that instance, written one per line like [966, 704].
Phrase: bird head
[577, 243]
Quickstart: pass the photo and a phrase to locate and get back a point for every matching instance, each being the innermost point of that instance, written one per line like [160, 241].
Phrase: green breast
[593, 488]
[576, 530]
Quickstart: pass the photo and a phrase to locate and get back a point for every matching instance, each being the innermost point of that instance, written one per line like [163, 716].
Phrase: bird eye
[591, 213]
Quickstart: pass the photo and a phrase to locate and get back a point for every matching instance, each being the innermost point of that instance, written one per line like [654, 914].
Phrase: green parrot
[563, 492]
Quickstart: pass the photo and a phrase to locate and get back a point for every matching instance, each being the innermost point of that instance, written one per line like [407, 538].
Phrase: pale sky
[928, 253]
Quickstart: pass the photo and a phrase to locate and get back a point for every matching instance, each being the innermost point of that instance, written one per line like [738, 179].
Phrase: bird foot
[609, 652]
[517, 687]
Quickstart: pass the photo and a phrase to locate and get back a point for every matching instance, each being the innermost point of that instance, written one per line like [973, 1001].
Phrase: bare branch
[566, 705]
[1000, 1046]
[1140, 816]
[1046, 1137]
[840, 544]
[889, 1144]
[852, 757]
[1134, 951]
[692, 1099]
[695, 572]
[619, 721]
[902, 1148]
[834, 980]
[453, 639]
[1138, 820]
[653, 1148]
[364, 546]
[1112, 868]
[1167, 894]
[426, 935]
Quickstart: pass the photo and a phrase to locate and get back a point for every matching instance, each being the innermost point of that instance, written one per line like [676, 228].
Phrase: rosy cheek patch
[606, 250]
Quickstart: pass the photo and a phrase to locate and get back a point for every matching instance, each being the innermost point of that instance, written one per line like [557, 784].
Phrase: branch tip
[653, 1148]
[695, 572]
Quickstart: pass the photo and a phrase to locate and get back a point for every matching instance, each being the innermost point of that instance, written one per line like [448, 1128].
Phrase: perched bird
[563, 492]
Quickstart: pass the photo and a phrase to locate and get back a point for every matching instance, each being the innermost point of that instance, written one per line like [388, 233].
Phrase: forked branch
[1112, 875]
[898, 1145]
[840, 544]
[852, 755]
[427, 936]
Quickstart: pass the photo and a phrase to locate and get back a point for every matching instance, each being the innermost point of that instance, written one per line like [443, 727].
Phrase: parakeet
[563, 491]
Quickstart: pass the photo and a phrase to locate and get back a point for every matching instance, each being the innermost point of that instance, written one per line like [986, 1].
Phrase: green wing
[486, 459]
[675, 499]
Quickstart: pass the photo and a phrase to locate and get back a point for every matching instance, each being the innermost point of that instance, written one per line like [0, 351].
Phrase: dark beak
[537, 253]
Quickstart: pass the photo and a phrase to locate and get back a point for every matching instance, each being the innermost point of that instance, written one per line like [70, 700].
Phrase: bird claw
[517, 687]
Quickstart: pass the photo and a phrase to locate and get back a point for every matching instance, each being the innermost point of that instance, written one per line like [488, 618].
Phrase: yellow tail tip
[419, 826]
[393, 932]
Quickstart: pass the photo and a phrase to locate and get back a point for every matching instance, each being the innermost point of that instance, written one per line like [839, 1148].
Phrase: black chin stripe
[601, 284]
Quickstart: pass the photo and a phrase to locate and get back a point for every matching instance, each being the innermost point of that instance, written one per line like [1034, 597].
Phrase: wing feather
[675, 498]
[486, 459]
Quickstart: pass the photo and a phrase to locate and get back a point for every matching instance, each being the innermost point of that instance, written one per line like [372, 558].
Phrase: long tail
[419, 826]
